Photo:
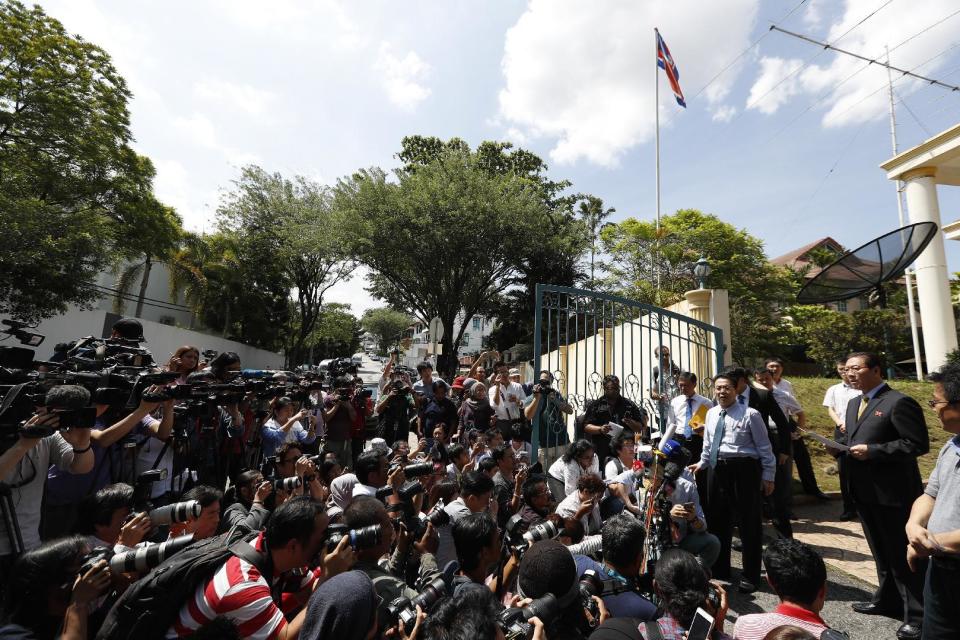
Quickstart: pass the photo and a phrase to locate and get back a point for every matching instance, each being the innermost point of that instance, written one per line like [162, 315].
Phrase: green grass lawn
[810, 393]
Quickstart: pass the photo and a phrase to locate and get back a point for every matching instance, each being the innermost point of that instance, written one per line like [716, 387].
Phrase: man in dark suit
[763, 401]
[886, 432]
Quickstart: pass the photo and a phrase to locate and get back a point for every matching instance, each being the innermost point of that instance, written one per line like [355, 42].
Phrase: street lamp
[701, 270]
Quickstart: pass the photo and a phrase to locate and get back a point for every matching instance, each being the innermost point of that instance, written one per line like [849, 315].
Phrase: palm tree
[150, 243]
[206, 269]
[593, 214]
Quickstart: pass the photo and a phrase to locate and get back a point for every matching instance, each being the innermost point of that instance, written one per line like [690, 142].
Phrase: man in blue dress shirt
[740, 469]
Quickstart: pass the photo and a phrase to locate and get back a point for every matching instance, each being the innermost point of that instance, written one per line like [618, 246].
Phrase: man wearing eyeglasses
[934, 526]
[836, 400]
[886, 433]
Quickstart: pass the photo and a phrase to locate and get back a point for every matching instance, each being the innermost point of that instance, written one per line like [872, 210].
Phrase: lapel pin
[879, 414]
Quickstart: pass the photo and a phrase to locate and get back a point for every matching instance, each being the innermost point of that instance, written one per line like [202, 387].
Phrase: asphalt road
[842, 591]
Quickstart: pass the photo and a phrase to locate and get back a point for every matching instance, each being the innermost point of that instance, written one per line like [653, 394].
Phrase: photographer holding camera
[246, 502]
[547, 567]
[284, 426]
[395, 407]
[47, 597]
[65, 490]
[108, 520]
[552, 408]
[339, 414]
[23, 466]
[370, 512]
[682, 586]
[243, 592]
[623, 537]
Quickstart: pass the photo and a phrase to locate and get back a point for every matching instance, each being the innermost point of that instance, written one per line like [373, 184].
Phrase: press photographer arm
[160, 429]
[86, 590]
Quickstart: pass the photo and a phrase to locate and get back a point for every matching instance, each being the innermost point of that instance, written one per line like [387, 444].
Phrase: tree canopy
[71, 186]
[386, 325]
[449, 235]
[286, 228]
[638, 254]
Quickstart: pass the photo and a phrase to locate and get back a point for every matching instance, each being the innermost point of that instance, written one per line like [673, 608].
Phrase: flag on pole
[665, 62]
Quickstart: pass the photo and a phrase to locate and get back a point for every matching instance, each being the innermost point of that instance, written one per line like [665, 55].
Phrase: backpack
[150, 606]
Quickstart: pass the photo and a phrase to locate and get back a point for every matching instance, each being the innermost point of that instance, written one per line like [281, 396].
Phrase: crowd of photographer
[198, 499]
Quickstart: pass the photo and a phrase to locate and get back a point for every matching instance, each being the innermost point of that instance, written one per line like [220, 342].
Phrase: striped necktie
[687, 431]
[717, 438]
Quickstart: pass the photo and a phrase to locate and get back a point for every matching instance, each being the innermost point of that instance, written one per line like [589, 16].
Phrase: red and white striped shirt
[756, 626]
[239, 593]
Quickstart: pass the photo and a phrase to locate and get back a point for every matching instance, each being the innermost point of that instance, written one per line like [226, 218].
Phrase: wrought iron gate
[580, 336]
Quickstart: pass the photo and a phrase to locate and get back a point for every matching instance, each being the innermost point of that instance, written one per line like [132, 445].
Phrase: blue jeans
[702, 544]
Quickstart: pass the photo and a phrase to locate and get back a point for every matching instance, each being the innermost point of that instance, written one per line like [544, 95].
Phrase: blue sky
[322, 88]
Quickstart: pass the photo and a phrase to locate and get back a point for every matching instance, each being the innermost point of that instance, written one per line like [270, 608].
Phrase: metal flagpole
[656, 109]
[906, 274]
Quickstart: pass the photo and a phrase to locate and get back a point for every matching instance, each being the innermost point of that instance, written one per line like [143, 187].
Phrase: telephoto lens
[543, 531]
[287, 484]
[363, 538]
[146, 558]
[591, 584]
[418, 469]
[438, 517]
[176, 512]
[409, 490]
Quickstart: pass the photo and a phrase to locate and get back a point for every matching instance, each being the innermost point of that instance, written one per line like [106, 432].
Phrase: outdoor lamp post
[701, 270]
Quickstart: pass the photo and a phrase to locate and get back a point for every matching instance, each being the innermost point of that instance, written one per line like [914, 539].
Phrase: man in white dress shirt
[682, 409]
[741, 467]
[801, 457]
[836, 400]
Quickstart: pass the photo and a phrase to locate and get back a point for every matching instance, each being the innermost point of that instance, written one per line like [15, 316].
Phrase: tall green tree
[69, 180]
[286, 228]
[555, 261]
[446, 237]
[336, 334]
[386, 325]
[639, 256]
[593, 214]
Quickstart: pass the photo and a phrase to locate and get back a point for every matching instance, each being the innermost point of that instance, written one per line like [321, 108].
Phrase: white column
[933, 288]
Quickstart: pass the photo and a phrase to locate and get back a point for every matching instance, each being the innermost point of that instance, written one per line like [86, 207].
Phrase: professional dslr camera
[520, 537]
[515, 622]
[404, 610]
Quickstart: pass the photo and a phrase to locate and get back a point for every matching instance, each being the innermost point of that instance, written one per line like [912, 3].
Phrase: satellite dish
[865, 269]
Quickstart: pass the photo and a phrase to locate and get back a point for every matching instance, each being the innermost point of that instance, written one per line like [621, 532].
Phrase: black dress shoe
[736, 544]
[848, 516]
[745, 586]
[909, 631]
[871, 609]
[820, 495]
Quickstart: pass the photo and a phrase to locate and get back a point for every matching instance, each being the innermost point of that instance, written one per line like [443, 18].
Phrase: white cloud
[724, 113]
[199, 129]
[583, 74]
[813, 15]
[402, 77]
[849, 91]
[228, 95]
[778, 82]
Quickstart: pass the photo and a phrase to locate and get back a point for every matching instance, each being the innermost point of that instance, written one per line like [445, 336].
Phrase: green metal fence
[580, 336]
